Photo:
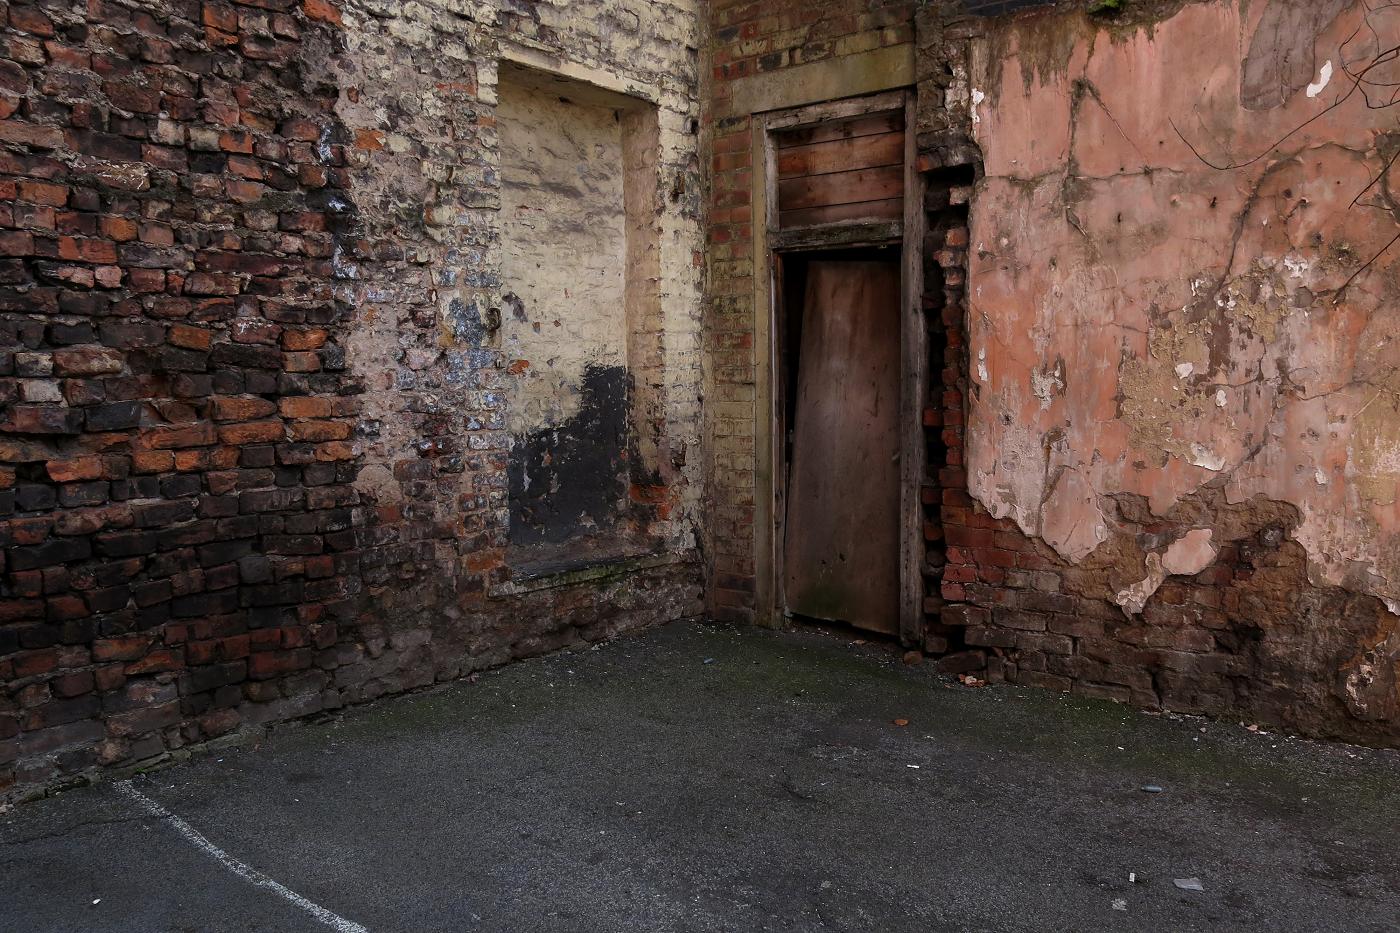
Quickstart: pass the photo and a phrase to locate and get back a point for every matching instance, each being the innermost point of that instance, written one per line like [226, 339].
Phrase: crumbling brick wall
[252, 437]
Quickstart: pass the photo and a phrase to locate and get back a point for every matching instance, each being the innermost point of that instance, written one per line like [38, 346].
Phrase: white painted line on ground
[246, 872]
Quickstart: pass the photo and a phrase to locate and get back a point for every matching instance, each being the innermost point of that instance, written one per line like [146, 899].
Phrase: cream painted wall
[563, 248]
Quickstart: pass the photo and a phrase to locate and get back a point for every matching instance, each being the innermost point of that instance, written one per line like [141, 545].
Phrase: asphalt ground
[699, 778]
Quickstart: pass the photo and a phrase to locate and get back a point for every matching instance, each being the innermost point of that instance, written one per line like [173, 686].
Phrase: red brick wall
[193, 246]
[176, 412]
[945, 492]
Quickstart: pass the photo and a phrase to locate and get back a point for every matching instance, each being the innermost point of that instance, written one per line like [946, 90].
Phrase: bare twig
[1365, 80]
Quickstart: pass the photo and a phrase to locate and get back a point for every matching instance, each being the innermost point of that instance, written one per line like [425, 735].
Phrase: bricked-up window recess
[581, 330]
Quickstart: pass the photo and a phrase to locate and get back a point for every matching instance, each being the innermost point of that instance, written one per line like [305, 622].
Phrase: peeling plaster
[1186, 556]
[1189, 554]
[1203, 456]
[1196, 311]
[1134, 598]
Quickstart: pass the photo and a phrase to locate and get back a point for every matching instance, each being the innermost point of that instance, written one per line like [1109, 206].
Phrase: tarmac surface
[701, 778]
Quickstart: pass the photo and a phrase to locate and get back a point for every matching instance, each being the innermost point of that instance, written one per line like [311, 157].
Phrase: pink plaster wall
[1141, 323]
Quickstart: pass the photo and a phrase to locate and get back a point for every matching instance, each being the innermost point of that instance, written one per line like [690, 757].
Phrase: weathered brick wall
[748, 38]
[252, 457]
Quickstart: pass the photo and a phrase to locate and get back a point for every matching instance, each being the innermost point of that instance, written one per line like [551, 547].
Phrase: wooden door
[841, 547]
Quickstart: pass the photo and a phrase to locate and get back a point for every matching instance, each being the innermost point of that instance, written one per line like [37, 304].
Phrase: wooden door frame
[770, 243]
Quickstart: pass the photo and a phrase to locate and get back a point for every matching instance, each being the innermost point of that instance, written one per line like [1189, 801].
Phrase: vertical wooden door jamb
[767, 595]
[914, 396]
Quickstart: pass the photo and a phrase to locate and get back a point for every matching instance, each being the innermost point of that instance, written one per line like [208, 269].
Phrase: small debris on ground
[708, 661]
[913, 658]
[901, 723]
[1151, 788]
[1120, 904]
[1189, 884]
[967, 680]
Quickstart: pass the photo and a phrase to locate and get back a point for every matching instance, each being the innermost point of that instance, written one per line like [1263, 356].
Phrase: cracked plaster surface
[1146, 324]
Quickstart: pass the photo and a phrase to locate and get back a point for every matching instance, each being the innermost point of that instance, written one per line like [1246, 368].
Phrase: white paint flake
[1134, 597]
[1203, 456]
[977, 98]
[1320, 477]
[1220, 398]
[1323, 78]
[1184, 370]
[1296, 267]
[982, 365]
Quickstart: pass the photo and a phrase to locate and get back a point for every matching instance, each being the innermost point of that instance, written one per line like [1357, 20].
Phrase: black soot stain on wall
[571, 478]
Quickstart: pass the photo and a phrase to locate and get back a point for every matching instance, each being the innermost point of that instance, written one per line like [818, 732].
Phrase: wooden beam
[834, 130]
[839, 236]
[913, 450]
[843, 214]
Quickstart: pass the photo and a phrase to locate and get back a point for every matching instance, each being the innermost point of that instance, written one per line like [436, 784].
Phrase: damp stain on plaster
[570, 479]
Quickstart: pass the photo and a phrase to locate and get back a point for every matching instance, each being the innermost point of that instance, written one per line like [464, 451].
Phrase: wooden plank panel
[841, 548]
[892, 121]
[840, 155]
[867, 184]
[886, 209]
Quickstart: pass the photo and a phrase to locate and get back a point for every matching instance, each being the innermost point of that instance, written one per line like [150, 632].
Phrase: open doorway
[840, 482]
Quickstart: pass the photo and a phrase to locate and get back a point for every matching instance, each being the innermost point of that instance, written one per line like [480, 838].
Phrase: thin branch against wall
[1365, 58]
